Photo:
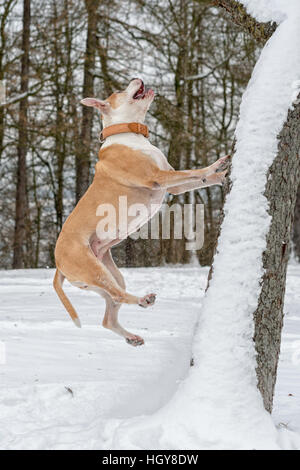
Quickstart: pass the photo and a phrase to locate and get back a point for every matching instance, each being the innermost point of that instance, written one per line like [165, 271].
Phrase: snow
[271, 10]
[218, 405]
[110, 380]
[287, 391]
[113, 384]
[129, 399]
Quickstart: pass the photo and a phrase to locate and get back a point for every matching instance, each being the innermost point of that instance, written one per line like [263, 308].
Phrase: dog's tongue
[140, 93]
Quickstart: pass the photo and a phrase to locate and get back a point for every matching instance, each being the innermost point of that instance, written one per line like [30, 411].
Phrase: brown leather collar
[135, 127]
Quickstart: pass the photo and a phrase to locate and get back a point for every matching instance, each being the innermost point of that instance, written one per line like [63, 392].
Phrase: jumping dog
[131, 167]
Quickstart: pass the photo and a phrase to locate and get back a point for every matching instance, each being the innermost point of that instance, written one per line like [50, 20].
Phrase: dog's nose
[137, 78]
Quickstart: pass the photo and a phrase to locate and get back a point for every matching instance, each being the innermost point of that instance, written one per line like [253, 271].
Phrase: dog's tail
[57, 284]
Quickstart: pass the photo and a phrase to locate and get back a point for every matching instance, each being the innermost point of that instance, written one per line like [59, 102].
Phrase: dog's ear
[103, 106]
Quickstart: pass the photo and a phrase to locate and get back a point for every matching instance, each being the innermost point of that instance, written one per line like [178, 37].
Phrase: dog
[131, 167]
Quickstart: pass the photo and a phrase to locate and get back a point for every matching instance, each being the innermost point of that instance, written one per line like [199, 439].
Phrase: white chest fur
[139, 142]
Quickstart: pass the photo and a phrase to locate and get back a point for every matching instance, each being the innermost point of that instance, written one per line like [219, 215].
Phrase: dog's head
[128, 105]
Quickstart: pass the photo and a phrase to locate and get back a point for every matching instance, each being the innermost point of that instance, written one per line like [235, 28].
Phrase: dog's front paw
[221, 164]
[147, 301]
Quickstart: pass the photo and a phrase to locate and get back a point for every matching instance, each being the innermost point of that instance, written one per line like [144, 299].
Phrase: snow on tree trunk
[280, 191]
[218, 405]
[282, 182]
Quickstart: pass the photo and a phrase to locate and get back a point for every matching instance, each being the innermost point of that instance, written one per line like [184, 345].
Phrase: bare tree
[21, 191]
[84, 144]
[6, 9]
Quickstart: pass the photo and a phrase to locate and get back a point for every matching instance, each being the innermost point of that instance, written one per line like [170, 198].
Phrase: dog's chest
[157, 156]
[138, 142]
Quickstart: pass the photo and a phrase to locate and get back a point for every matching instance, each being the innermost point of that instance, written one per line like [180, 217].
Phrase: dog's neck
[130, 139]
[124, 128]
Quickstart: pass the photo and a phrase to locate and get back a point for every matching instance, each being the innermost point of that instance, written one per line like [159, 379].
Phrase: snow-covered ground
[286, 410]
[66, 388]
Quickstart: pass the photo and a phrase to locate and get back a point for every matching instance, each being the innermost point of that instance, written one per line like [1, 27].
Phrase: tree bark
[296, 229]
[281, 189]
[21, 193]
[261, 32]
[129, 252]
[83, 154]
[62, 45]
[3, 24]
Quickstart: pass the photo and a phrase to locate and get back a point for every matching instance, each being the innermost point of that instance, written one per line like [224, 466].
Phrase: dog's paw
[134, 340]
[147, 301]
[221, 164]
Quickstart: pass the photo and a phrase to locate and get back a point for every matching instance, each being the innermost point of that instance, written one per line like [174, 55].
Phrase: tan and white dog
[129, 166]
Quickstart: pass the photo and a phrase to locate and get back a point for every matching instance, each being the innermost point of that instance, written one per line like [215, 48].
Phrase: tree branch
[261, 32]
[31, 92]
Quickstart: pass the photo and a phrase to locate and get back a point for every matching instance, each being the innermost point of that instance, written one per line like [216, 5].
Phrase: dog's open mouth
[141, 93]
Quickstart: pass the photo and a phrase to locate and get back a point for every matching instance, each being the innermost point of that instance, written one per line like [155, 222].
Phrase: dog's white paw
[134, 340]
[147, 301]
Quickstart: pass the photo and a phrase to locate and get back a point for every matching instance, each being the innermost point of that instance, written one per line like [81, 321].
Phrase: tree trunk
[3, 24]
[62, 40]
[21, 193]
[129, 252]
[83, 155]
[296, 230]
[281, 191]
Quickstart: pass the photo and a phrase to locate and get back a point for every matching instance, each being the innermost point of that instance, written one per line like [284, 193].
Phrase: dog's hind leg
[114, 270]
[88, 269]
[110, 319]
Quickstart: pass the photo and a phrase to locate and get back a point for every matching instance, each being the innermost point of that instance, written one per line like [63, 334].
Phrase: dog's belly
[150, 209]
[87, 217]
[138, 213]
